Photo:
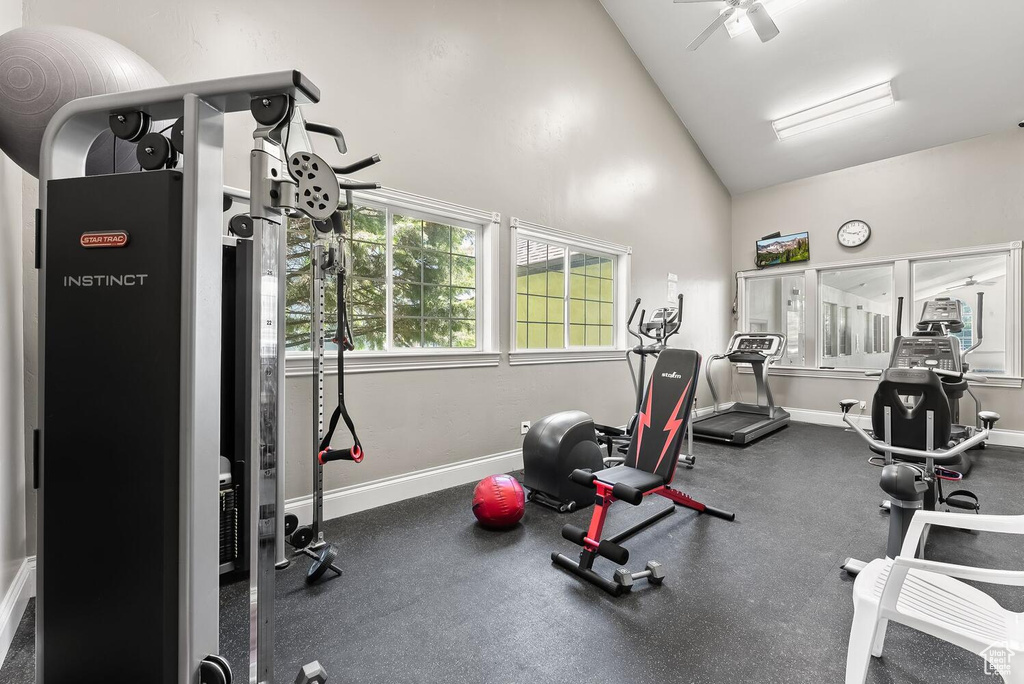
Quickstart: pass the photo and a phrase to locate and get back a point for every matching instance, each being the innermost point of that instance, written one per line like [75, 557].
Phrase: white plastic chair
[929, 596]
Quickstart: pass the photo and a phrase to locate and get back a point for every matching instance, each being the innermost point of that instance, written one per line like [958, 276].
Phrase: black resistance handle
[332, 131]
[356, 166]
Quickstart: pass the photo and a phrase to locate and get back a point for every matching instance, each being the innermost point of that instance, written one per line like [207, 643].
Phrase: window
[776, 304]
[966, 336]
[568, 290]
[850, 324]
[540, 316]
[416, 280]
[860, 341]
[965, 278]
[434, 284]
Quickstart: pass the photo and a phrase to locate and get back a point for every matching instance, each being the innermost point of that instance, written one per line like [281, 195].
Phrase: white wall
[12, 413]
[532, 108]
[960, 195]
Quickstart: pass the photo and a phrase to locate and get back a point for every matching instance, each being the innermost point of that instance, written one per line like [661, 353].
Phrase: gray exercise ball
[42, 68]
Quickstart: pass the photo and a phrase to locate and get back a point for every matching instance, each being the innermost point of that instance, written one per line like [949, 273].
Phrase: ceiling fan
[970, 282]
[755, 11]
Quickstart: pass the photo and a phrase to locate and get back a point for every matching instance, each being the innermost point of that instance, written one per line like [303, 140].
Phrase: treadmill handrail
[940, 456]
[711, 382]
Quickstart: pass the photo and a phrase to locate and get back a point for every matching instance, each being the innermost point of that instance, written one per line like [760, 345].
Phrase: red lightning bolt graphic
[672, 426]
[645, 420]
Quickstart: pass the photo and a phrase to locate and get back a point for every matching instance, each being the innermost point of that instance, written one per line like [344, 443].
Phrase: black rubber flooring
[428, 596]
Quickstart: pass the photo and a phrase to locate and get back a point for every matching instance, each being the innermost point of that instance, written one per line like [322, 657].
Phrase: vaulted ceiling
[957, 69]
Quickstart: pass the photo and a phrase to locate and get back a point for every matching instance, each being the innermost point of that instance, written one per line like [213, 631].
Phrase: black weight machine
[562, 442]
[129, 420]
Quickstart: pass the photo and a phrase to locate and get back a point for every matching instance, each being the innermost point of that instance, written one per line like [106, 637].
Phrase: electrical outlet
[524, 427]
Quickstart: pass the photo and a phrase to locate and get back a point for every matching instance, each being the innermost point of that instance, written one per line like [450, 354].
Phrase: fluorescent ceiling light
[846, 107]
[739, 24]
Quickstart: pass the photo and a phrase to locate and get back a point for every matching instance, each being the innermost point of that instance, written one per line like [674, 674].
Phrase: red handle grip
[354, 454]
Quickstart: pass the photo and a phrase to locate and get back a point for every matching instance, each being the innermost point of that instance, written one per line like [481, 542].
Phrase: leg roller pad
[613, 552]
[574, 534]
[630, 495]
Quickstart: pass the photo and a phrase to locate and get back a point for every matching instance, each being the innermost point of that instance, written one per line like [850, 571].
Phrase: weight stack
[229, 495]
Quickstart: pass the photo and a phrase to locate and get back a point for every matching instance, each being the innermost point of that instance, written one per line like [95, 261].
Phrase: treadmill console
[942, 311]
[942, 353]
[766, 345]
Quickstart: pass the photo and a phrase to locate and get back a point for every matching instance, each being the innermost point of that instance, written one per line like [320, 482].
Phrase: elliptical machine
[569, 440]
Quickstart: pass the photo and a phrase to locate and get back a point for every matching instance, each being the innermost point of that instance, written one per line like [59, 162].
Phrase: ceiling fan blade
[762, 22]
[714, 26]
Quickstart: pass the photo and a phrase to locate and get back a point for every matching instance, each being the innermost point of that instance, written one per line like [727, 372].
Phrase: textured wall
[532, 108]
[960, 195]
[12, 406]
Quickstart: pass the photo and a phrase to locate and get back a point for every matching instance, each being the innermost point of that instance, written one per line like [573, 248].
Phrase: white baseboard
[361, 497]
[1010, 438]
[14, 602]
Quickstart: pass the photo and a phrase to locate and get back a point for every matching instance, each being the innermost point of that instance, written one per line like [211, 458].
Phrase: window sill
[858, 374]
[535, 357]
[301, 363]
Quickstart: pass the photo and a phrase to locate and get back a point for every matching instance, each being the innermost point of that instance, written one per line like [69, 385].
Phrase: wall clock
[853, 233]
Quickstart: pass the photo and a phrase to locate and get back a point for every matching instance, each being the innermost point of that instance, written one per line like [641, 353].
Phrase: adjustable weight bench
[649, 467]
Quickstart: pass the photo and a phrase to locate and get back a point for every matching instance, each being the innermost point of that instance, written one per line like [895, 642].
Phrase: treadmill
[743, 423]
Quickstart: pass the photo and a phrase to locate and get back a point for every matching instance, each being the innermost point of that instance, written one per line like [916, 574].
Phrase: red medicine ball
[498, 501]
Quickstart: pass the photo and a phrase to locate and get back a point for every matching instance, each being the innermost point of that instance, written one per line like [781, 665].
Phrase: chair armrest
[1005, 524]
[988, 575]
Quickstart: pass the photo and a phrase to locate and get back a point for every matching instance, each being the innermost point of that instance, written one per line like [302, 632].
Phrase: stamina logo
[126, 280]
[673, 375]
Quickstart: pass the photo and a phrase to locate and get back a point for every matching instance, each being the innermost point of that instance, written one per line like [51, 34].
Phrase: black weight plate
[322, 564]
[291, 523]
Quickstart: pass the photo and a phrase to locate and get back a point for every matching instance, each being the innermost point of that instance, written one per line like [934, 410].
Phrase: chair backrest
[665, 413]
[909, 426]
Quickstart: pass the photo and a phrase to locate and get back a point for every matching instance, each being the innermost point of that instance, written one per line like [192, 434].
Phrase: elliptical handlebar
[979, 333]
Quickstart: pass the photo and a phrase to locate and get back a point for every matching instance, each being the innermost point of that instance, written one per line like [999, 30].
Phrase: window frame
[903, 285]
[486, 352]
[621, 256]
[875, 341]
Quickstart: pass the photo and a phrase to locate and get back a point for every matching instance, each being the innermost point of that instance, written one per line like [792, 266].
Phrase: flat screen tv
[785, 249]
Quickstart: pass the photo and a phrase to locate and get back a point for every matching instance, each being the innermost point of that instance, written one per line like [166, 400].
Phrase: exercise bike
[914, 432]
[565, 441]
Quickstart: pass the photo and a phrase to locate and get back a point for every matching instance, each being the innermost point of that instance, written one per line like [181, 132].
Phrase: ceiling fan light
[739, 24]
[843, 108]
